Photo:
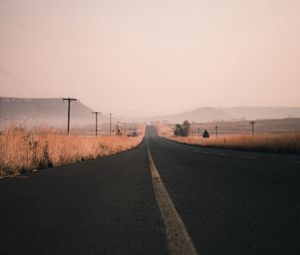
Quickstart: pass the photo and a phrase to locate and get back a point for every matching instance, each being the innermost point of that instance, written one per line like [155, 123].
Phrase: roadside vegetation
[270, 142]
[25, 150]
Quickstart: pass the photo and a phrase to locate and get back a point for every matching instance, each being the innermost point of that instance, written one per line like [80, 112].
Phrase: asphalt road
[231, 202]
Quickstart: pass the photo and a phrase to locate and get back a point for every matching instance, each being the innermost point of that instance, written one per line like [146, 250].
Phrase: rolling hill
[50, 112]
[206, 114]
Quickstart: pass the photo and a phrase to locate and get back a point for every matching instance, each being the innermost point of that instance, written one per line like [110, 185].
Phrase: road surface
[226, 201]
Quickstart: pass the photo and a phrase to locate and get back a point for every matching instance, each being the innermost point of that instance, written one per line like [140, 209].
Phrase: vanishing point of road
[160, 198]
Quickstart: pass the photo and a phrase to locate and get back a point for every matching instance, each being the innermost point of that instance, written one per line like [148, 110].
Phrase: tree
[178, 130]
[186, 126]
[182, 130]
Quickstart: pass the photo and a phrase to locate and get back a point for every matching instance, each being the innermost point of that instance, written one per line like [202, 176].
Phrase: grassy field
[26, 150]
[244, 127]
[288, 142]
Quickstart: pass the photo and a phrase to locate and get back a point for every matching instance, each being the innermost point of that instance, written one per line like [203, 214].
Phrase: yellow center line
[178, 240]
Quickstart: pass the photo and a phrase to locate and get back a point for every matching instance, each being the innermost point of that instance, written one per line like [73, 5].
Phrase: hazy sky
[158, 56]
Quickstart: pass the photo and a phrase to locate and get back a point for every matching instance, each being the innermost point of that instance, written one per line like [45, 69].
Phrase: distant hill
[263, 112]
[206, 114]
[43, 111]
[53, 112]
[203, 114]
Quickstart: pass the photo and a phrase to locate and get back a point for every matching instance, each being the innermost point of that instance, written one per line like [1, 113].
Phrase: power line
[19, 83]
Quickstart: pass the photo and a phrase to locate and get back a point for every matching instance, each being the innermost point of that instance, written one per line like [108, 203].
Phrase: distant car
[132, 134]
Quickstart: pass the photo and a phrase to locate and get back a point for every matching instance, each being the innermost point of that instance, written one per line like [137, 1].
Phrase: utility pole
[118, 127]
[69, 109]
[216, 128]
[124, 129]
[110, 114]
[252, 124]
[96, 116]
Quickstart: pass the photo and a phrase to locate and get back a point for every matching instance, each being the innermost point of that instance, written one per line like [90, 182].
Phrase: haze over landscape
[52, 113]
[152, 58]
[150, 127]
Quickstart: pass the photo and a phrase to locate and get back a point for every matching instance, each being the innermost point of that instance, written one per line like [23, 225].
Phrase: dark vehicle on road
[132, 134]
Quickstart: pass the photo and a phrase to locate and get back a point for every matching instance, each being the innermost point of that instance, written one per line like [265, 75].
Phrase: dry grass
[277, 142]
[27, 150]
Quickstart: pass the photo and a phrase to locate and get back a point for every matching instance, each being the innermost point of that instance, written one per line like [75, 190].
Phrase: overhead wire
[28, 89]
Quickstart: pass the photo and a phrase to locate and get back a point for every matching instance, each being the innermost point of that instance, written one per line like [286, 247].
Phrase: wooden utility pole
[110, 114]
[252, 124]
[124, 129]
[216, 128]
[69, 110]
[96, 116]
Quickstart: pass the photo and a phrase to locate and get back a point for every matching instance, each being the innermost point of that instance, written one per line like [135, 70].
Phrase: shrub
[182, 130]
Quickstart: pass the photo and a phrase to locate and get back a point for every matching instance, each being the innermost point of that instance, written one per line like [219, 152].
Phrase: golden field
[272, 142]
[22, 150]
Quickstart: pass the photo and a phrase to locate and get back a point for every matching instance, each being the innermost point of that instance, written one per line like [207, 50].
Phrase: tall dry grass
[272, 142]
[22, 150]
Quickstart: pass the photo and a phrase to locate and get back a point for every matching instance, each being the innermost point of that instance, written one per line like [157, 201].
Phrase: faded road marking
[222, 154]
[178, 239]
